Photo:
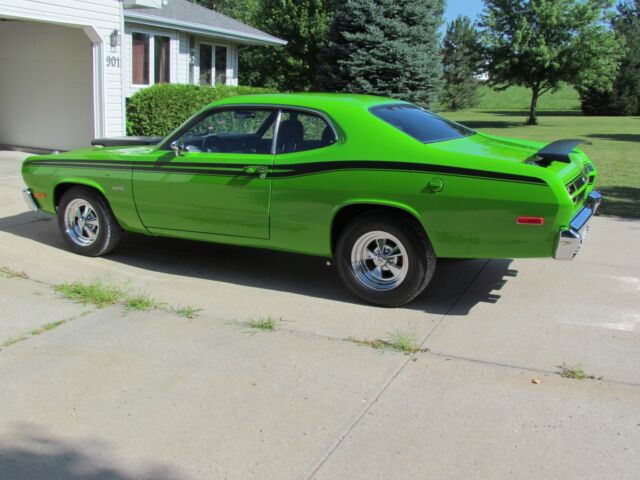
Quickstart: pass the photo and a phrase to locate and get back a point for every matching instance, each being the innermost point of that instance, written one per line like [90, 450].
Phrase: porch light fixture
[114, 38]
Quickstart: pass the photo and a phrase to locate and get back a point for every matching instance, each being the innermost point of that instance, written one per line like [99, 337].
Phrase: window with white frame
[213, 64]
[150, 53]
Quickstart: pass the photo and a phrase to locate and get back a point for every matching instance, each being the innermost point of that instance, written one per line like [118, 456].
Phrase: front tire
[87, 223]
[385, 260]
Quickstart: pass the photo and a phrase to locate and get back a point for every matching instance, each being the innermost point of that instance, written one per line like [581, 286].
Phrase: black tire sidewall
[108, 225]
[419, 252]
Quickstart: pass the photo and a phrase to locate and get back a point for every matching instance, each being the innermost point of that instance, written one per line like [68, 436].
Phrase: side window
[300, 131]
[241, 130]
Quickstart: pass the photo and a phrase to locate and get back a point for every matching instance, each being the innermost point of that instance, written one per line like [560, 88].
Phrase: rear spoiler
[557, 151]
[125, 141]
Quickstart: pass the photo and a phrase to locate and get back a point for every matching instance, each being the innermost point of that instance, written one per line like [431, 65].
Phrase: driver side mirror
[178, 147]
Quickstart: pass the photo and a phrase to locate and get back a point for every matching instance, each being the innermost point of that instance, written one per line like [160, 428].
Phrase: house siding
[98, 18]
[182, 71]
[112, 66]
[183, 59]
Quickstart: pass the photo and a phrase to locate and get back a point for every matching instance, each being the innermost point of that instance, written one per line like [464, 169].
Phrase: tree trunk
[535, 93]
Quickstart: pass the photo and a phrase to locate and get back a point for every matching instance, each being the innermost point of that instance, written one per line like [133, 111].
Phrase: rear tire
[87, 223]
[385, 260]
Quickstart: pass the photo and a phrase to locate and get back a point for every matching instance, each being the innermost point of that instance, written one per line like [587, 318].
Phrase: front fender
[78, 181]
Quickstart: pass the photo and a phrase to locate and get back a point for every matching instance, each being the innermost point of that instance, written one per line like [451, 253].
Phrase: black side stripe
[288, 170]
[321, 167]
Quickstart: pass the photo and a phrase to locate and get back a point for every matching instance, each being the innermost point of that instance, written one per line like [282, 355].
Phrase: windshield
[422, 125]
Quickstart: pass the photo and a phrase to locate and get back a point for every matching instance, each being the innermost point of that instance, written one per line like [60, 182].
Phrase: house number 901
[113, 62]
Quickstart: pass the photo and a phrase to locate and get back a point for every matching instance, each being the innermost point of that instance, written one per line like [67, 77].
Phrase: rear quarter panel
[471, 217]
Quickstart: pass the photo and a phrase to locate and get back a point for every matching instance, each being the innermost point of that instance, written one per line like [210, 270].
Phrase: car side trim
[289, 170]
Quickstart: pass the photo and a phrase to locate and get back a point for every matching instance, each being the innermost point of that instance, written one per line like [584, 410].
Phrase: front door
[219, 182]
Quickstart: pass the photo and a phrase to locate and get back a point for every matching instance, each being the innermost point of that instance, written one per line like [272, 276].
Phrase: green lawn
[613, 145]
[519, 98]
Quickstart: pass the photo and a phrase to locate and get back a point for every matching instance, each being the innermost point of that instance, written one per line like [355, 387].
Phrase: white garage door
[46, 86]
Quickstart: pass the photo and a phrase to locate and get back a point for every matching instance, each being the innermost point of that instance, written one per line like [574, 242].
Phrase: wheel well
[63, 188]
[348, 213]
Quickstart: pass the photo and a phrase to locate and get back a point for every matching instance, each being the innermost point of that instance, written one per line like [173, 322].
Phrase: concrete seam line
[519, 367]
[25, 337]
[368, 407]
[359, 417]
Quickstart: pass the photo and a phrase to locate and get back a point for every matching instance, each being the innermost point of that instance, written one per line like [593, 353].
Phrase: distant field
[614, 146]
[518, 98]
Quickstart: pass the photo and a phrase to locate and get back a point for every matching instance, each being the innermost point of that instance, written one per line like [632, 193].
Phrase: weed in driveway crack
[576, 373]
[186, 312]
[398, 341]
[141, 303]
[38, 330]
[46, 327]
[267, 323]
[10, 273]
[100, 293]
[103, 293]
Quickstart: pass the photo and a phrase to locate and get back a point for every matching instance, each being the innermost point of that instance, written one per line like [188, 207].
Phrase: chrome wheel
[81, 222]
[379, 261]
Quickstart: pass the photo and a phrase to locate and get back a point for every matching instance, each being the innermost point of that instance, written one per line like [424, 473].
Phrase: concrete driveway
[99, 393]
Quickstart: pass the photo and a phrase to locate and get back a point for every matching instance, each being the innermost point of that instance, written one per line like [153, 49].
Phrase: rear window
[422, 125]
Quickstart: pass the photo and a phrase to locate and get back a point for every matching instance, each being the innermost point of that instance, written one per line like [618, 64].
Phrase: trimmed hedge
[159, 109]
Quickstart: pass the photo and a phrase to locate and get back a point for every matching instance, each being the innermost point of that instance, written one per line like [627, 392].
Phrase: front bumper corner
[29, 200]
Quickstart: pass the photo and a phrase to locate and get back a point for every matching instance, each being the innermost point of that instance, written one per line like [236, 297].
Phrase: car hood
[97, 153]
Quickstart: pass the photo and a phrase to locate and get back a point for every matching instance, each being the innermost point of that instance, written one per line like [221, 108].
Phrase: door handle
[259, 170]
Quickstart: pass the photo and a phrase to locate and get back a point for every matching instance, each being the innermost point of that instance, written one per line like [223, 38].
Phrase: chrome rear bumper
[571, 239]
[28, 198]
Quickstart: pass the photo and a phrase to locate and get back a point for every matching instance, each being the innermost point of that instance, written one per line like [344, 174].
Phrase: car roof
[318, 101]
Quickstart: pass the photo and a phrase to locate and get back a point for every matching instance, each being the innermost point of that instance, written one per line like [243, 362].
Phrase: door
[218, 183]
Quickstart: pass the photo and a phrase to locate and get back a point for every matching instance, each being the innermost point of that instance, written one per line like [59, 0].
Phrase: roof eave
[200, 29]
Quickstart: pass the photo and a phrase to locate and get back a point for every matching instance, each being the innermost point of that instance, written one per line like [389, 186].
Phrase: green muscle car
[381, 186]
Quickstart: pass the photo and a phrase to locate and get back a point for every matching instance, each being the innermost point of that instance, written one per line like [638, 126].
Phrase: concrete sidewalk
[116, 395]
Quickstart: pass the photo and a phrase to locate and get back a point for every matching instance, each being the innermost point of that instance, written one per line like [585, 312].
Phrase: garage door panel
[46, 86]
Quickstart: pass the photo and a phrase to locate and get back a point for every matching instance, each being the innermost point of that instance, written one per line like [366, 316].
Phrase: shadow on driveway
[272, 270]
[38, 456]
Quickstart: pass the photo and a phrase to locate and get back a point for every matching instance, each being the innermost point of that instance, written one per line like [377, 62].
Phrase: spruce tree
[462, 61]
[384, 47]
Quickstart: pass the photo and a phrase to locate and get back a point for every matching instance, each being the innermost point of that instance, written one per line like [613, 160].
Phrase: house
[67, 66]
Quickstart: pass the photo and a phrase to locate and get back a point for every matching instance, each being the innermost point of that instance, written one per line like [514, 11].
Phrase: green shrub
[159, 109]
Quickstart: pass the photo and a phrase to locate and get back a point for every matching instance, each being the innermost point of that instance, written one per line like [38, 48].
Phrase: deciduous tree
[623, 98]
[539, 44]
[304, 24]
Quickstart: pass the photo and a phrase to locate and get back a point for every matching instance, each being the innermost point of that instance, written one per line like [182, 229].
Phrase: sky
[471, 8]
